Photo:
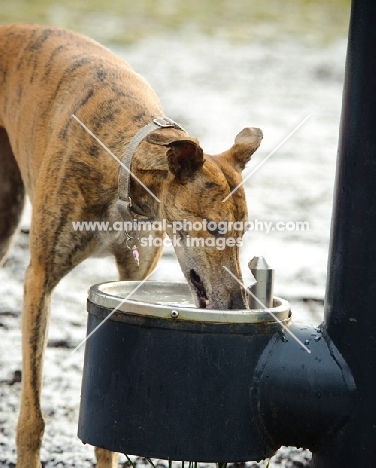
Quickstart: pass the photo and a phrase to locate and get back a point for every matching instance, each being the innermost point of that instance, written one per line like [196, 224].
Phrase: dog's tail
[12, 196]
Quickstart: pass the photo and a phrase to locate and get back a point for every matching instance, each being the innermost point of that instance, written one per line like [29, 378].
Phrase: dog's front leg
[106, 459]
[128, 270]
[55, 249]
[35, 317]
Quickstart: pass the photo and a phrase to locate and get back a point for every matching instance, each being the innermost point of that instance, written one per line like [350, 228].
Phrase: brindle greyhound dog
[47, 76]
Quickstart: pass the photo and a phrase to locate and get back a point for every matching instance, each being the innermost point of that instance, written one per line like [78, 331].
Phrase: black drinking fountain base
[166, 380]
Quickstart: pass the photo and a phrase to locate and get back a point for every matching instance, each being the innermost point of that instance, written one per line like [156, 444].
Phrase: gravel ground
[212, 88]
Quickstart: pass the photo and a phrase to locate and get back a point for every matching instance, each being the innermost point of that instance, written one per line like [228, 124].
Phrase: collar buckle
[165, 122]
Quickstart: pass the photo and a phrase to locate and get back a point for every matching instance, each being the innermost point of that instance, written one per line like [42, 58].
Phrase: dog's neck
[144, 205]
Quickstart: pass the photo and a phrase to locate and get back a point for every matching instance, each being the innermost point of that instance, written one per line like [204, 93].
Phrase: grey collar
[124, 202]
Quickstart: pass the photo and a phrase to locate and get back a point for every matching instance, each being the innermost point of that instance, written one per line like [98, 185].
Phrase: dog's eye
[214, 230]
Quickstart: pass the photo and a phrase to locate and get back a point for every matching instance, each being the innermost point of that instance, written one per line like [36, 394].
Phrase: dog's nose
[257, 132]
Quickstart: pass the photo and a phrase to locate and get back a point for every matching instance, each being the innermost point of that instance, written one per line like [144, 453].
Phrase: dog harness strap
[124, 202]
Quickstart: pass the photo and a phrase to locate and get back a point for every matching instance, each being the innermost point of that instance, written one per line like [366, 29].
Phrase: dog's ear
[184, 155]
[246, 143]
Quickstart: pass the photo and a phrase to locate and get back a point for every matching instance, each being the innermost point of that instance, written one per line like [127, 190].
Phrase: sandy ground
[214, 89]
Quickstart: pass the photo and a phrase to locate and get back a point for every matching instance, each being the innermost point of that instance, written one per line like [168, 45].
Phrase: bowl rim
[113, 295]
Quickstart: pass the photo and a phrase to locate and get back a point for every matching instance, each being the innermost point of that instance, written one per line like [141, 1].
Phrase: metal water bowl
[163, 379]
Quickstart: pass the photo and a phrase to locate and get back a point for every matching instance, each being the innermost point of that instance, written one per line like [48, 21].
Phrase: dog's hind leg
[12, 196]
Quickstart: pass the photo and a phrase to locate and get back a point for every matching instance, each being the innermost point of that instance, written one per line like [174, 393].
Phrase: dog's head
[206, 211]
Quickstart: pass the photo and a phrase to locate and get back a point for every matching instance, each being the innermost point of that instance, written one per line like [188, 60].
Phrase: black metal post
[350, 310]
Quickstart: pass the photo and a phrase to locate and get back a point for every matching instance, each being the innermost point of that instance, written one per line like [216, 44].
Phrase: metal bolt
[262, 290]
[174, 314]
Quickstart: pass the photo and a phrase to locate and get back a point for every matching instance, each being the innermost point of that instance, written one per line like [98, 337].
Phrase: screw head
[174, 314]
